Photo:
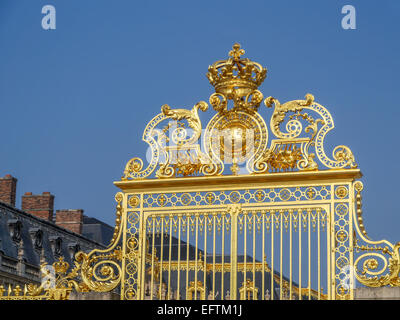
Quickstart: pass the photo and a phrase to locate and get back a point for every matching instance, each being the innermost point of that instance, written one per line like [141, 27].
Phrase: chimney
[8, 189]
[70, 219]
[39, 205]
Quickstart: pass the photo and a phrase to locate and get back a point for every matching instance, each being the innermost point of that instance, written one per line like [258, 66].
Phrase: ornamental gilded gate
[275, 240]
[219, 213]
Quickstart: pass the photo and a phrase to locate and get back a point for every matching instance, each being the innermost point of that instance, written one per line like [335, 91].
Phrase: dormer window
[15, 227]
[73, 248]
[56, 245]
[37, 238]
[58, 249]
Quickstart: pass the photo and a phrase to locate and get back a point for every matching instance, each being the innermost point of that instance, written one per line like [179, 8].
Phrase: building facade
[36, 235]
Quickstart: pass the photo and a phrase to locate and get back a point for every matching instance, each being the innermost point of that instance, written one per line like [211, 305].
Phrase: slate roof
[26, 238]
[97, 230]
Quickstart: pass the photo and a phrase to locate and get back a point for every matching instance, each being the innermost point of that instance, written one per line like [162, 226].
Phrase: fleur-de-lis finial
[17, 290]
[236, 52]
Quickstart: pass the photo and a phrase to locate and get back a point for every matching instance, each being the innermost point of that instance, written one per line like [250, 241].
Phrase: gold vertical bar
[263, 256]
[309, 254]
[152, 261]
[328, 251]
[171, 217]
[351, 243]
[179, 257]
[234, 238]
[280, 256]
[245, 256]
[333, 246]
[213, 266]
[327, 226]
[223, 215]
[196, 246]
[124, 232]
[187, 254]
[205, 253]
[254, 255]
[272, 253]
[161, 255]
[300, 216]
[290, 252]
[319, 253]
[142, 253]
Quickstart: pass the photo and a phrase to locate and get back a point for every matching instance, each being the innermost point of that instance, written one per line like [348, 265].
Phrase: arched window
[248, 291]
[196, 291]
[15, 229]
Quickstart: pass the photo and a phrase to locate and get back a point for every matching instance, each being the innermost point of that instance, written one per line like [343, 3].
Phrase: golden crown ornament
[236, 79]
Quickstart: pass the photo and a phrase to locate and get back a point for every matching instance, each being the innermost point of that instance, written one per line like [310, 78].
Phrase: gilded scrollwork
[100, 270]
[184, 162]
[378, 262]
[292, 110]
[134, 167]
[294, 127]
[90, 272]
[237, 135]
[379, 266]
[282, 159]
[193, 119]
[173, 153]
[236, 81]
[219, 102]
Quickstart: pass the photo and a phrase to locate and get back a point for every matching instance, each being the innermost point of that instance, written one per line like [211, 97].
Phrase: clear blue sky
[74, 101]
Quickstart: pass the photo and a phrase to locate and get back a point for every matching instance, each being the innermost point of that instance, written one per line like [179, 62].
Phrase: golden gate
[220, 213]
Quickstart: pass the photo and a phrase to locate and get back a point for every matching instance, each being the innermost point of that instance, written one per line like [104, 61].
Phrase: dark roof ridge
[49, 223]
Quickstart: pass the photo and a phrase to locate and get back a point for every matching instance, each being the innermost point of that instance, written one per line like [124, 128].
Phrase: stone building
[36, 234]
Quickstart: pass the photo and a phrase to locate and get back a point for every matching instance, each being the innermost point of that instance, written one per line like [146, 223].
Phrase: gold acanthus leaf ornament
[281, 160]
[281, 110]
[156, 138]
[191, 116]
[387, 275]
[342, 155]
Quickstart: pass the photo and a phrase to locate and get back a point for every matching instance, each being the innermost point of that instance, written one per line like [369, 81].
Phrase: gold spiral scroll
[378, 262]
[133, 169]
[100, 270]
[157, 139]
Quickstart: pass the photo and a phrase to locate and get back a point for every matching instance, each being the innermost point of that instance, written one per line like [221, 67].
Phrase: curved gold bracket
[179, 151]
[378, 262]
[342, 155]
